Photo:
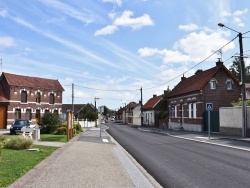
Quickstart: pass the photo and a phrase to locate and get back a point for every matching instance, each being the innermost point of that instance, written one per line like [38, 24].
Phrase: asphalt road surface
[176, 162]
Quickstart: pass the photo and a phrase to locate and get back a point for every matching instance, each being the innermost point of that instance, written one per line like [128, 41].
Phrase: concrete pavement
[88, 161]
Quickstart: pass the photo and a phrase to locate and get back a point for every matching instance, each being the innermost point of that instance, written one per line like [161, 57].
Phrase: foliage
[77, 128]
[164, 112]
[236, 70]
[239, 103]
[61, 129]
[198, 71]
[15, 164]
[49, 123]
[18, 143]
[163, 115]
[53, 138]
[88, 112]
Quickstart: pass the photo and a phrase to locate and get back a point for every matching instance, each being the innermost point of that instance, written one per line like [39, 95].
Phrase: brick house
[187, 101]
[151, 109]
[24, 97]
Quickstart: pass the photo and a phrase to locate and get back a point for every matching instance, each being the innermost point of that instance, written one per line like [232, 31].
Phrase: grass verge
[53, 138]
[16, 163]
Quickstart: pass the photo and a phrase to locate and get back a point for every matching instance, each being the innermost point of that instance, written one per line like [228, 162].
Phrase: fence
[86, 123]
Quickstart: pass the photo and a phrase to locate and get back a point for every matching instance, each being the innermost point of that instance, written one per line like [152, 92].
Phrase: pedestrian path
[88, 160]
[235, 142]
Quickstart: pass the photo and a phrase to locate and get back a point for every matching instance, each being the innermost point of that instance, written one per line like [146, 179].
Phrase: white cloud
[189, 27]
[110, 29]
[194, 47]
[136, 23]
[117, 2]
[3, 13]
[6, 41]
[125, 20]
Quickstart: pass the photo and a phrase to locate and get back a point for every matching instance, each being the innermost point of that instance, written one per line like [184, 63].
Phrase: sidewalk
[87, 161]
[236, 142]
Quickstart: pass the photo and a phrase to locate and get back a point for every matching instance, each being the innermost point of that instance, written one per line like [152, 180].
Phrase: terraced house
[25, 97]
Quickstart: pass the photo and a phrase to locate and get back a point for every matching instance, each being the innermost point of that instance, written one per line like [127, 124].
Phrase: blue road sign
[209, 106]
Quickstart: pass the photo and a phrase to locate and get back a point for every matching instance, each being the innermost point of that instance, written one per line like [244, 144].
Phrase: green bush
[49, 123]
[61, 131]
[2, 138]
[18, 143]
[77, 128]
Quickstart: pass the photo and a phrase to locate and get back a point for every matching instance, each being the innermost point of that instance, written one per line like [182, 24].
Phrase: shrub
[77, 128]
[18, 143]
[49, 123]
[61, 131]
[2, 138]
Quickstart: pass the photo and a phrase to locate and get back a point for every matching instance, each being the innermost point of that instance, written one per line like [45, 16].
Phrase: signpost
[209, 107]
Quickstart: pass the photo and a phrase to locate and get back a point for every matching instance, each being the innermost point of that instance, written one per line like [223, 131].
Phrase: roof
[35, 82]
[131, 105]
[3, 97]
[77, 107]
[198, 81]
[152, 102]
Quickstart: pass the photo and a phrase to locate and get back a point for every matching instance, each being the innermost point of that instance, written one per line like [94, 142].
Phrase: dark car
[17, 125]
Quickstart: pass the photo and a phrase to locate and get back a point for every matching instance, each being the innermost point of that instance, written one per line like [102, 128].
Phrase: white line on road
[105, 140]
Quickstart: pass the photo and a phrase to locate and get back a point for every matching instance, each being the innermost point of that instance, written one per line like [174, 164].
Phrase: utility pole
[141, 109]
[243, 91]
[96, 98]
[73, 97]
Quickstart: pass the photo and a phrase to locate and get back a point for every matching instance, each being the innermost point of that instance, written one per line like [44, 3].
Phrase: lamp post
[243, 92]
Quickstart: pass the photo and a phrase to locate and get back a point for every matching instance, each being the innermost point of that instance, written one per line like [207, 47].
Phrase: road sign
[209, 106]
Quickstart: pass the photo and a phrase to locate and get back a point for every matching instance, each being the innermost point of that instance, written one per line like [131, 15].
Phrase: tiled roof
[77, 107]
[131, 105]
[198, 81]
[35, 82]
[152, 102]
[3, 97]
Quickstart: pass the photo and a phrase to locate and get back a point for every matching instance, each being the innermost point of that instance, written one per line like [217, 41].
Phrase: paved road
[175, 162]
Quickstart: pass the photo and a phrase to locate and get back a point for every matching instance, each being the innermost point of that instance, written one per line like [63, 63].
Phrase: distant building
[25, 97]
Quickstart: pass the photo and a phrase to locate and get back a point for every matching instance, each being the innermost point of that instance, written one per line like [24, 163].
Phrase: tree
[164, 112]
[236, 70]
[198, 71]
[49, 123]
[88, 112]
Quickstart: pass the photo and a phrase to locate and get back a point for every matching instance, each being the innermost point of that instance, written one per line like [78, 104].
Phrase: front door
[3, 117]
[38, 116]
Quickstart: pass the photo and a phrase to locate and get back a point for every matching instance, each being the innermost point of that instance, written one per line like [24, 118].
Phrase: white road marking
[105, 140]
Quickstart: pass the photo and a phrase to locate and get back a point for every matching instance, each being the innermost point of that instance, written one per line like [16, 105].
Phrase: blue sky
[111, 48]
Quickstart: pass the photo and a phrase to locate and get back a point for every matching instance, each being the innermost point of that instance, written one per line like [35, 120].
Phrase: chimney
[219, 63]
[183, 78]
[154, 96]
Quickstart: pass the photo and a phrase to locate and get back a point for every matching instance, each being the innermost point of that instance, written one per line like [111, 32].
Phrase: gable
[198, 81]
[151, 103]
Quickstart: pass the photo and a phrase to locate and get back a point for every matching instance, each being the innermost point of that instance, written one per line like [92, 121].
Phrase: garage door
[2, 117]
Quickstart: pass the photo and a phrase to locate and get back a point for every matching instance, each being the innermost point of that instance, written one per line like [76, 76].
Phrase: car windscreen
[20, 123]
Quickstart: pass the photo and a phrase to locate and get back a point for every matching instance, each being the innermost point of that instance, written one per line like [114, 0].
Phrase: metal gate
[214, 121]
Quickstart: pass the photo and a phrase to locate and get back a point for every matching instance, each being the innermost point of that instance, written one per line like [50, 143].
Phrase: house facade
[24, 97]
[151, 109]
[137, 114]
[187, 101]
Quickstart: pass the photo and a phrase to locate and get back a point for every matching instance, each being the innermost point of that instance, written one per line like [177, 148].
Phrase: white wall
[137, 115]
[149, 119]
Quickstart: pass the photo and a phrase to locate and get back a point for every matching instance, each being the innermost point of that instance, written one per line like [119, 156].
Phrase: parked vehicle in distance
[17, 125]
[112, 119]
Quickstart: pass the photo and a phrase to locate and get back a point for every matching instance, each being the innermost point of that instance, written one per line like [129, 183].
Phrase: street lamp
[243, 92]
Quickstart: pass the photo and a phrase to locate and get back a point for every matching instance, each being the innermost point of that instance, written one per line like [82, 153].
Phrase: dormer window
[229, 84]
[213, 83]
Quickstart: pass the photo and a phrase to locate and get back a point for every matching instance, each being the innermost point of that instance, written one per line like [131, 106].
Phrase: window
[56, 112]
[175, 111]
[192, 110]
[213, 83]
[38, 97]
[28, 114]
[17, 113]
[51, 98]
[46, 111]
[229, 84]
[24, 96]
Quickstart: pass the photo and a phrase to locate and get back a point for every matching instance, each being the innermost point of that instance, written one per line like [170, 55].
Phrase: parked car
[17, 125]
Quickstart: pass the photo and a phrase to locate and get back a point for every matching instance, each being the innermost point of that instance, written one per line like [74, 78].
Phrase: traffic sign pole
[209, 107]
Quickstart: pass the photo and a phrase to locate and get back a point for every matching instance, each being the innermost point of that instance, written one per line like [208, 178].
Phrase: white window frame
[230, 82]
[175, 111]
[192, 110]
[213, 83]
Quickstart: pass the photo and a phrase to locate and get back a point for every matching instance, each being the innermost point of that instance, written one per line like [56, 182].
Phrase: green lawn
[53, 138]
[16, 163]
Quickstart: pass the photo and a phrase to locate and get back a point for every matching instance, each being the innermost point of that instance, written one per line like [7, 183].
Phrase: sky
[110, 49]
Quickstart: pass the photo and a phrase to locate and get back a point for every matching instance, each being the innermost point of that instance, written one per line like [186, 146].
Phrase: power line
[193, 66]
[106, 89]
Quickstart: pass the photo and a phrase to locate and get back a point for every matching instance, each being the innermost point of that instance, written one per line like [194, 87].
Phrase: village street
[176, 162]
